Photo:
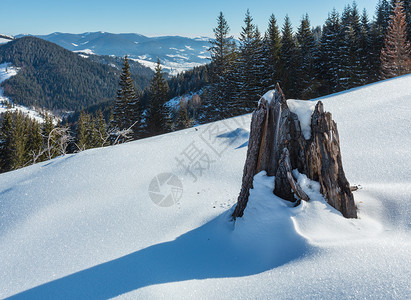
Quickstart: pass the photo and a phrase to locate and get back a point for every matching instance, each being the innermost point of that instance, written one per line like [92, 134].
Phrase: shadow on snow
[214, 250]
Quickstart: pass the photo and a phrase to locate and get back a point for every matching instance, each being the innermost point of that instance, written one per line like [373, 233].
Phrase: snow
[7, 70]
[304, 110]
[202, 38]
[144, 57]
[4, 41]
[268, 96]
[170, 67]
[85, 51]
[84, 226]
[177, 56]
[175, 102]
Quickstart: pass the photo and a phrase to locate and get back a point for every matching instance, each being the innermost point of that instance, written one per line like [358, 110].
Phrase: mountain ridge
[176, 53]
[53, 77]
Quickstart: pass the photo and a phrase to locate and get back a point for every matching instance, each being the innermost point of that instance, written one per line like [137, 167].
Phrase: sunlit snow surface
[84, 226]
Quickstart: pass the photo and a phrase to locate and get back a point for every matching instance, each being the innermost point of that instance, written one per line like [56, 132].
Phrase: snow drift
[84, 226]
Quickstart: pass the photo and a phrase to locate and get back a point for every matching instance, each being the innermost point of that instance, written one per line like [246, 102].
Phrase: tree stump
[277, 145]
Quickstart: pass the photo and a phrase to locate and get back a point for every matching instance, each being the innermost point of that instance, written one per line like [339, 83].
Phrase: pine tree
[378, 31]
[350, 30]
[249, 68]
[222, 58]
[288, 57]
[35, 141]
[306, 77]
[100, 131]
[395, 56]
[158, 96]
[125, 113]
[329, 54]
[18, 141]
[365, 51]
[83, 137]
[5, 139]
[272, 45]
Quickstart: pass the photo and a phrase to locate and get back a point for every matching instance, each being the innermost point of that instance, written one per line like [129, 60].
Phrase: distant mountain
[175, 52]
[52, 77]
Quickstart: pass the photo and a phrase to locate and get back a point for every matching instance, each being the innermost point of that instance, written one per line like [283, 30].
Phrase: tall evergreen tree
[100, 130]
[406, 5]
[157, 116]
[18, 141]
[222, 58]
[365, 51]
[288, 52]
[249, 70]
[125, 113]
[378, 30]
[83, 136]
[329, 54]
[272, 45]
[350, 63]
[5, 142]
[306, 76]
[395, 56]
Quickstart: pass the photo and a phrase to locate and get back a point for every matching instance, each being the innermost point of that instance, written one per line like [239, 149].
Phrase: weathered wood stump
[277, 145]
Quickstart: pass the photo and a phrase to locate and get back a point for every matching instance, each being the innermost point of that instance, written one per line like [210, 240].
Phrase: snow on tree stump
[277, 146]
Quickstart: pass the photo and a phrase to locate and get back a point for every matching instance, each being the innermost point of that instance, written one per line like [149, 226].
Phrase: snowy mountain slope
[176, 53]
[6, 71]
[5, 38]
[84, 225]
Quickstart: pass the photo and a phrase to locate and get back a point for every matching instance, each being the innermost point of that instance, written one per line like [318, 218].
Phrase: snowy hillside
[105, 223]
[5, 38]
[7, 71]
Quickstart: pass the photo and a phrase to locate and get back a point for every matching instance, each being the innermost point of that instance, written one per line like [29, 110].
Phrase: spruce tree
[5, 139]
[378, 32]
[330, 54]
[365, 51]
[100, 130]
[83, 137]
[306, 77]
[272, 45]
[18, 141]
[395, 56]
[350, 63]
[288, 53]
[157, 115]
[249, 71]
[222, 58]
[125, 113]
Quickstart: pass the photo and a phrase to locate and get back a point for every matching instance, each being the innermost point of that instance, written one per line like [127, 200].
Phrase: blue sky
[155, 18]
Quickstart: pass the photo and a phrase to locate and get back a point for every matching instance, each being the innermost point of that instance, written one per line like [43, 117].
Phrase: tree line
[345, 53]
[348, 51]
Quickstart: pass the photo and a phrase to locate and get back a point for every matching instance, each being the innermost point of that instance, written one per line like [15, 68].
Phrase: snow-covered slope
[5, 38]
[6, 71]
[88, 226]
